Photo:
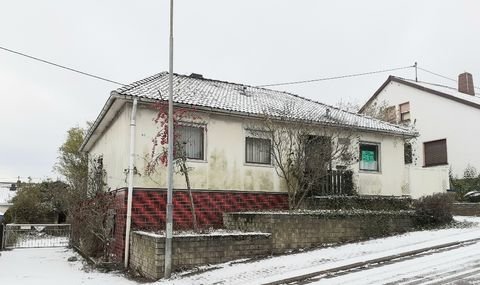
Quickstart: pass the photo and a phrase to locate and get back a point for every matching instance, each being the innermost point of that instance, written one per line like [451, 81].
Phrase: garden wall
[466, 209]
[365, 202]
[149, 208]
[314, 228]
[147, 251]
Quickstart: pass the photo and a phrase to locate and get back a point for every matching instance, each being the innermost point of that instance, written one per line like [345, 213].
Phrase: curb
[370, 261]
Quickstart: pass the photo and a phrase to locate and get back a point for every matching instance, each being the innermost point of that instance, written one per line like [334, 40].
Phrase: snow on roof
[443, 89]
[239, 98]
[6, 195]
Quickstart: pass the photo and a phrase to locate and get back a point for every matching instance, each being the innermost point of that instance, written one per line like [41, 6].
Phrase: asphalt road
[460, 265]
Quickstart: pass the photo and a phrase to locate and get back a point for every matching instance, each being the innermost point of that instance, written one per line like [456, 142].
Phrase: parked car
[472, 196]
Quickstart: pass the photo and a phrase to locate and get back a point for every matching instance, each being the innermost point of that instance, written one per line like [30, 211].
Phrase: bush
[434, 210]
[470, 182]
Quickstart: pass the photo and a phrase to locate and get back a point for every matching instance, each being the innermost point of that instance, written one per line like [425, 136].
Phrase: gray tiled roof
[239, 98]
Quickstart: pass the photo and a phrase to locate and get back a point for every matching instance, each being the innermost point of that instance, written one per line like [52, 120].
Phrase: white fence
[36, 235]
[421, 181]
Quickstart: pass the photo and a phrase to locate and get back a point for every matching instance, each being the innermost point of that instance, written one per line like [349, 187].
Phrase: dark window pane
[435, 153]
[407, 153]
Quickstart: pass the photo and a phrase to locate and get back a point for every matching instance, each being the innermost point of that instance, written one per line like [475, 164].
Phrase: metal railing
[36, 235]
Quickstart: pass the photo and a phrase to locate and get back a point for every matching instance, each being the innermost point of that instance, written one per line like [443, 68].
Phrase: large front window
[369, 157]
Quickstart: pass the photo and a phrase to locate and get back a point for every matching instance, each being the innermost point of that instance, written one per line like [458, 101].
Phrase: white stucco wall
[4, 207]
[389, 180]
[114, 145]
[224, 167]
[422, 181]
[440, 118]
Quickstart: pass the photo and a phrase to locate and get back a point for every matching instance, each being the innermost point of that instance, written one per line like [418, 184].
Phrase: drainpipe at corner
[130, 181]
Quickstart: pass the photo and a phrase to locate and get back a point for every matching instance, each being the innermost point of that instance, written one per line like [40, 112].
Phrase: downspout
[130, 180]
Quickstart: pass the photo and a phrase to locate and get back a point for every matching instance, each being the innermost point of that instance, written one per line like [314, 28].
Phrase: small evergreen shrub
[434, 210]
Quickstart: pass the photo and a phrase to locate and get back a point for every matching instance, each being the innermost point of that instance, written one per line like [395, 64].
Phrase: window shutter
[435, 153]
[405, 107]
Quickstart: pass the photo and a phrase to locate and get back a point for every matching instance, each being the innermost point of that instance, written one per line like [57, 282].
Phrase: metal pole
[130, 181]
[416, 78]
[169, 224]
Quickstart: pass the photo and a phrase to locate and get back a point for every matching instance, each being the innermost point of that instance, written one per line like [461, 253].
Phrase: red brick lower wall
[149, 206]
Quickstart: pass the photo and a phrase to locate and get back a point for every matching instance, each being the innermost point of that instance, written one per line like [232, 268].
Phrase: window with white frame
[258, 150]
[191, 140]
[369, 157]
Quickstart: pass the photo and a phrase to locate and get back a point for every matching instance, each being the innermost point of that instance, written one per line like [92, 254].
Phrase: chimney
[196, 75]
[465, 83]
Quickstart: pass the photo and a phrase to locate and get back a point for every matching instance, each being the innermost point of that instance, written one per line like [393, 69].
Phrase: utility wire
[336, 77]
[445, 77]
[439, 75]
[62, 66]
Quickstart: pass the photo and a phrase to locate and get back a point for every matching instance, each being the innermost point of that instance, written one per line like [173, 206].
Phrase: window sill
[438, 164]
[258, 165]
[369, 171]
[189, 160]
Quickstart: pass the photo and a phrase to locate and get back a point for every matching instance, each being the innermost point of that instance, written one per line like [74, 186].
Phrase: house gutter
[130, 180]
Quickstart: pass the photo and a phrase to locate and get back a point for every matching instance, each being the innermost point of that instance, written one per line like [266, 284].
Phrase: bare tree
[303, 152]
[92, 216]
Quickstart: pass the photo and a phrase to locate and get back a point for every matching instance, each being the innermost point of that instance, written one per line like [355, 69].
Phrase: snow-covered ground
[281, 267]
[50, 266]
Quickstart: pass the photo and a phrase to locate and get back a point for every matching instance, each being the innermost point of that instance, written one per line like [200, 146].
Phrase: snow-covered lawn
[50, 266]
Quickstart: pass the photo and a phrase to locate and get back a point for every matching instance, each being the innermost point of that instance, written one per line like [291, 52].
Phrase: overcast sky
[248, 41]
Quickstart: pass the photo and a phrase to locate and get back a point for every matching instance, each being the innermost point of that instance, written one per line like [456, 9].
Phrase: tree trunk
[192, 204]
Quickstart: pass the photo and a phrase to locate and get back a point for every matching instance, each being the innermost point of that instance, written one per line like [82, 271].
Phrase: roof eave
[374, 96]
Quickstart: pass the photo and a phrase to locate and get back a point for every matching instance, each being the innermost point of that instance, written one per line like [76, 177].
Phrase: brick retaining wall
[305, 230]
[466, 209]
[147, 250]
[148, 209]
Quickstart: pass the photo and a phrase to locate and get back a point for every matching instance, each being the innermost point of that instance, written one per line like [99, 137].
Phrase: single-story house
[445, 118]
[6, 196]
[229, 170]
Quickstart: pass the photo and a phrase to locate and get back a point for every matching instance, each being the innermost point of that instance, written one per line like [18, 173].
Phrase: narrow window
[257, 150]
[407, 153]
[190, 141]
[369, 158]
[405, 112]
[435, 152]
[390, 115]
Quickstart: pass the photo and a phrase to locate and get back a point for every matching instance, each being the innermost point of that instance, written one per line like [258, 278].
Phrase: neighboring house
[230, 172]
[6, 195]
[445, 117]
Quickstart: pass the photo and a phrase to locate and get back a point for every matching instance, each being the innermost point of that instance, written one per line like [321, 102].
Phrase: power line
[61, 66]
[439, 75]
[336, 77]
[442, 76]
